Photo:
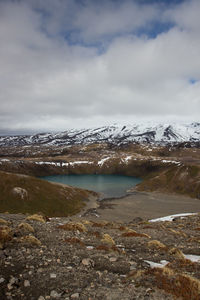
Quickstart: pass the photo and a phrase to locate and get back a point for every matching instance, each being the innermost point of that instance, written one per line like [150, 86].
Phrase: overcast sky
[80, 63]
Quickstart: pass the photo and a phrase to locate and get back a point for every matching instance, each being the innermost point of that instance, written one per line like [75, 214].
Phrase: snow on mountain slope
[116, 134]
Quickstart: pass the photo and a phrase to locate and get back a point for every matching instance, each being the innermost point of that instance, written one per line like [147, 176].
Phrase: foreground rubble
[61, 258]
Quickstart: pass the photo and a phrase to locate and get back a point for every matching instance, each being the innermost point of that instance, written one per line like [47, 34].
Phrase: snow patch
[102, 161]
[157, 265]
[170, 218]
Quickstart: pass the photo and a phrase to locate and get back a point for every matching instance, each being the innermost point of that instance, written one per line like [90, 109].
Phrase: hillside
[116, 134]
[26, 194]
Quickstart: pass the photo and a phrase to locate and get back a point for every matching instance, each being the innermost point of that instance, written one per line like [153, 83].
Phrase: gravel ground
[97, 259]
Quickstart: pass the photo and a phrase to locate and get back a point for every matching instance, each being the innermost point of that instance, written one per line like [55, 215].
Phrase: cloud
[53, 74]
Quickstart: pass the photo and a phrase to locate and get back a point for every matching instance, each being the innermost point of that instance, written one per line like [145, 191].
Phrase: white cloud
[47, 83]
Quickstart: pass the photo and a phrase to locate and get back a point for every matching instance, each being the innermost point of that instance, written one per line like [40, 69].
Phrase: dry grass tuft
[107, 248]
[178, 232]
[100, 225]
[122, 228]
[137, 274]
[26, 227]
[36, 217]
[132, 233]
[154, 244]
[3, 222]
[95, 233]
[103, 247]
[108, 239]
[180, 285]
[177, 253]
[31, 240]
[86, 222]
[73, 227]
[74, 240]
[5, 235]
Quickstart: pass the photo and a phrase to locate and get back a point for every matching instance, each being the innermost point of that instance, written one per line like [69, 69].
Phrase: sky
[86, 63]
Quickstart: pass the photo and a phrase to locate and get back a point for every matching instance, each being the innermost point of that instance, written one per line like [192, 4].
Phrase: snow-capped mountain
[115, 134]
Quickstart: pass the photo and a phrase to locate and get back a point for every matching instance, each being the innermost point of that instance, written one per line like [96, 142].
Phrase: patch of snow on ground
[157, 265]
[170, 218]
[193, 258]
[79, 162]
[102, 161]
[126, 159]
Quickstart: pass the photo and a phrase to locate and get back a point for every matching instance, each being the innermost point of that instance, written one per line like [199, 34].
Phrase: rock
[41, 298]
[75, 296]
[87, 262]
[2, 280]
[20, 192]
[26, 283]
[113, 259]
[55, 294]
[52, 275]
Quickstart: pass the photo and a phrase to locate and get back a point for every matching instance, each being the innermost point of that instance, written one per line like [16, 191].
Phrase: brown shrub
[5, 235]
[73, 227]
[154, 244]
[95, 233]
[133, 233]
[26, 227]
[177, 253]
[74, 240]
[108, 239]
[179, 285]
[3, 222]
[30, 240]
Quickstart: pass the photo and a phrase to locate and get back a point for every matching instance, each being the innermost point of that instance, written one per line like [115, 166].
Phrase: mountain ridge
[114, 134]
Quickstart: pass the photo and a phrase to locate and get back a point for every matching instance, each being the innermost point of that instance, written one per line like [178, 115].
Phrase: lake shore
[144, 205]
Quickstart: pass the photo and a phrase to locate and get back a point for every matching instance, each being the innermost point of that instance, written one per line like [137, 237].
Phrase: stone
[2, 279]
[41, 298]
[75, 296]
[26, 283]
[86, 261]
[113, 259]
[52, 275]
[54, 294]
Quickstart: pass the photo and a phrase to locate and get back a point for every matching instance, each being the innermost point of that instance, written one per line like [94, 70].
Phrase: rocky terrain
[116, 134]
[78, 258]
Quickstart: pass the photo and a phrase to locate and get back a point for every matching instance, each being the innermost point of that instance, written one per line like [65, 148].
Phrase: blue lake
[109, 185]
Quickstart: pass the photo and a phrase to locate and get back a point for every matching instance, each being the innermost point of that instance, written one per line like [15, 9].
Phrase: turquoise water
[108, 185]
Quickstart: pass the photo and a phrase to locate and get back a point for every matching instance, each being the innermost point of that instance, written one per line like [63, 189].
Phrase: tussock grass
[107, 239]
[178, 232]
[30, 240]
[132, 233]
[3, 222]
[180, 285]
[26, 227]
[5, 235]
[106, 248]
[73, 227]
[74, 240]
[154, 244]
[36, 217]
[177, 253]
